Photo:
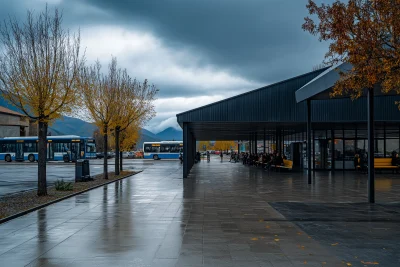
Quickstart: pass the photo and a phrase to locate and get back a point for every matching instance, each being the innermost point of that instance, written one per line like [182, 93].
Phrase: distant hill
[4, 103]
[170, 134]
[68, 125]
[150, 135]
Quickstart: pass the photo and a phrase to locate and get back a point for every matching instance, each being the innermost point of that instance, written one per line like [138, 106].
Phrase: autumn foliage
[39, 67]
[365, 33]
[224, 145]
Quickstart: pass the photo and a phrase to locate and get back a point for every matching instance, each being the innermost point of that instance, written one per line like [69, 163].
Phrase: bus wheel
[155, 157]
[31, 158]
[8, 158]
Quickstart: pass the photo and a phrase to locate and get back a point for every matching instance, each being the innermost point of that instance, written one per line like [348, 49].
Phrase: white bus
[63, 147]
[162, 150]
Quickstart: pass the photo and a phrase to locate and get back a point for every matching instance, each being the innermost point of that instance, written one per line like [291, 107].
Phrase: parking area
[21, 176]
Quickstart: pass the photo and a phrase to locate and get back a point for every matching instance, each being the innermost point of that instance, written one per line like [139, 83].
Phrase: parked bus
[63, 147]
[162, 150]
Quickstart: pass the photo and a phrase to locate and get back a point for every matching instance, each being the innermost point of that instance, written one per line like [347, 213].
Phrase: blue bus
[64, 147]
[162, 150]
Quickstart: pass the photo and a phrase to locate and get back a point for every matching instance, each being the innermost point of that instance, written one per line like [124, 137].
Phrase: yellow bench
[287, 164]
[382, 163]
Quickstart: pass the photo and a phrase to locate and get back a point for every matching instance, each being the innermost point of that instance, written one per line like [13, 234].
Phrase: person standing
[221, 156]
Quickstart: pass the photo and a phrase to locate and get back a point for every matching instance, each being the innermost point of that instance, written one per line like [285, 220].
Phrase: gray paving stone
[225, 214]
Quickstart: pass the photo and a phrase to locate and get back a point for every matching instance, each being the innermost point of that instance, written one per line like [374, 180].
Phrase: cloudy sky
[195, 51]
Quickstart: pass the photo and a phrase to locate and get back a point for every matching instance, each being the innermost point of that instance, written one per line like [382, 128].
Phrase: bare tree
[38, 73]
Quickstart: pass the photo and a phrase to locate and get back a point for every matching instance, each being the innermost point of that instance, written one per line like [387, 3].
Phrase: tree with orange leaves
[135, 107]
[365, 33]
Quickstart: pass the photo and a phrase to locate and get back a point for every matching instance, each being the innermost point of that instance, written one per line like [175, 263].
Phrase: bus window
[175, 149]
[30, 147]
[7, 148]
[90, 148]
[148, 148]
[165, 148]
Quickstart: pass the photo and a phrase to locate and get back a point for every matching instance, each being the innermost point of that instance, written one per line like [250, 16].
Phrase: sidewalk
[225, 214]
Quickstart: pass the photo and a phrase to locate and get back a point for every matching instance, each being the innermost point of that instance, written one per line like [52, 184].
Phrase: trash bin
[86, 169]
[82, 170]
[79, 170]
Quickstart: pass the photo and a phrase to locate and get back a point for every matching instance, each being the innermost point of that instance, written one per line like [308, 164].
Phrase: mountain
[146, 136]
[149, 135]
[170, 134]
[73, 126]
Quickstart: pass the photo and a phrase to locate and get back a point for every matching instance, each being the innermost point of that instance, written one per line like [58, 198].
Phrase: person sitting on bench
[278, 160]
[396, 161]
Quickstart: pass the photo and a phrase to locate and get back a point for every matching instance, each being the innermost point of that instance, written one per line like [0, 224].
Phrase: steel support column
[255, 143]
[371, 148]
[333, 150]
[313, 149]
[250, 144]
[384, 139]
[343, 149]
[264, 141]
[309, 140]
[185, 150]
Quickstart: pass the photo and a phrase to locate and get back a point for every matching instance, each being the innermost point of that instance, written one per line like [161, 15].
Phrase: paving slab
[224, 214]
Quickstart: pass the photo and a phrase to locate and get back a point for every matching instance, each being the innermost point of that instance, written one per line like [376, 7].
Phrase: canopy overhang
[320, 86]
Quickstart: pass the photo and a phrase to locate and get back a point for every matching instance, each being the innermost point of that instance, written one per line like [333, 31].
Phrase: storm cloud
[196, 51]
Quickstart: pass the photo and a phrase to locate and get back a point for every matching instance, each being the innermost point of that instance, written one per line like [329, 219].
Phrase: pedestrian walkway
[224, 214]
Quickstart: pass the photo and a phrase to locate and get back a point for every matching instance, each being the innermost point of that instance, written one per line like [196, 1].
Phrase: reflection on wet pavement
[16, 177]
[223, 215]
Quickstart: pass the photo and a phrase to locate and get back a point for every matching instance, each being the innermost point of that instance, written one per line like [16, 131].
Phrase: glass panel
[349, 150]
[329, 155]
[379, 146]
[147, 148]
[339, 153]
[321, 154]
[362, 146]
[165, 148]
[320, 134]
[90, 148]
[30, 147]
[392, 145]
[350, 134]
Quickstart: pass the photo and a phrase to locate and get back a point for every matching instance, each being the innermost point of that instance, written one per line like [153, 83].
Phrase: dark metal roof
[318, 88]
[275, 107]
[272, 103]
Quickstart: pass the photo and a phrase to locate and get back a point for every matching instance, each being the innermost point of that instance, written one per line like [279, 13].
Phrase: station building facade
[273, 117]
[13, 123]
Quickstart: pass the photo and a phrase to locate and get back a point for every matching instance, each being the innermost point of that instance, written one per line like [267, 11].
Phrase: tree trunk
[120, 161]
[105, 166]
[117, 150]
[42, 157]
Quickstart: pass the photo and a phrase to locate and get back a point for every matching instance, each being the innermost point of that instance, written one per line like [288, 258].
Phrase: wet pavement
[224, 214]
[21, 176]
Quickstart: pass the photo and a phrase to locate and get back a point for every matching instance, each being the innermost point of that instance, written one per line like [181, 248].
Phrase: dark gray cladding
[277, 104]
[273, 103]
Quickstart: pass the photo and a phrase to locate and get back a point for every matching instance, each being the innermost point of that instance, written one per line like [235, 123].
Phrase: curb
[60, 199]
